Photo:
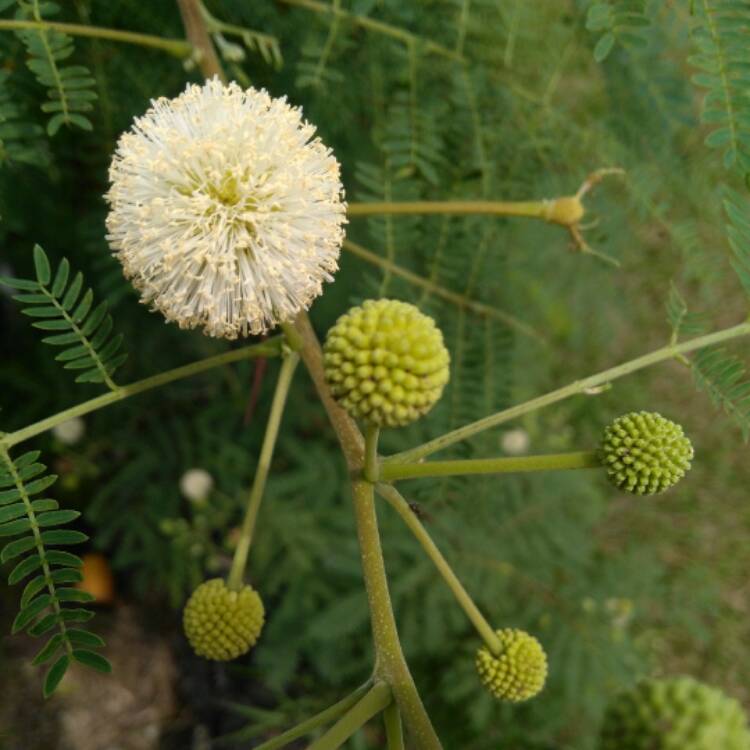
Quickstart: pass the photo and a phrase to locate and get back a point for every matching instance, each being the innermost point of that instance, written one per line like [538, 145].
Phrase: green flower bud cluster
[386, 362]
[674, 714]
[518, 672]
[644, 453]
[222, 624]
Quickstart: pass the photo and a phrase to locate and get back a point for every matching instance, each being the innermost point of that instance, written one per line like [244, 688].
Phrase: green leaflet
[58, 306]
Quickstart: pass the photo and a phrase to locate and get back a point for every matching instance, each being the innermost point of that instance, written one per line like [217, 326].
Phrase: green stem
[374, 25]
[324, 717]
[578, 386]
[237, 572]
[551, 462]
[377, 698]
[269, 348]
[394, 732]
[530, 209]
[391, 665]
[177, 47]
[372, 433]
[430, 287]
[394, 497]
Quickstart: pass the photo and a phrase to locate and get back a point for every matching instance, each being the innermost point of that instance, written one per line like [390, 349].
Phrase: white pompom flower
[225, 211]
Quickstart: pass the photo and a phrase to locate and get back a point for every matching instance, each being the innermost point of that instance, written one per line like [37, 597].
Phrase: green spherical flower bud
[519, 671]
[386, 362]
[674, 714]
[644, 453]
[222, 624]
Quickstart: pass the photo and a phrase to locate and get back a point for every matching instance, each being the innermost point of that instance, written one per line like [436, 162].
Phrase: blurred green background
[480, 100]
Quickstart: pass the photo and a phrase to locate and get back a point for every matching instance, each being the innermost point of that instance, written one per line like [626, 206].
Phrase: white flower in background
[196, 484]
[225, 211]
[70, 432]
[515, 442]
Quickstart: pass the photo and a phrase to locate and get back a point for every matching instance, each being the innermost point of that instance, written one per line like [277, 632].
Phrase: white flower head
[515, 442]
[70, 431]
[225, 211]
[196, 484]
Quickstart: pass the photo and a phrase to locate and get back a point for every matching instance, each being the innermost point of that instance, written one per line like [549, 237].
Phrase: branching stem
[574, 388]
[269, 348]
[377, 698]
[379, 27]
[396, 500]
[239, 562]
[177, 47]
[500, 465]
[324, 717]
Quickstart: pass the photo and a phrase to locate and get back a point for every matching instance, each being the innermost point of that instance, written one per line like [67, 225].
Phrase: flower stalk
[500, 465]
[239, 562]
[576, 387]
[399, 504]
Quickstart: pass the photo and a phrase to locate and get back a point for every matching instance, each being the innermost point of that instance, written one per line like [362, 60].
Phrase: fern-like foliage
[737, 208]
[35, 523]
[682, 321]
[717, 372]
[724, 378]
[20, 140]
[723, 58]
[69, 87]
[621, 21]
[82, 329]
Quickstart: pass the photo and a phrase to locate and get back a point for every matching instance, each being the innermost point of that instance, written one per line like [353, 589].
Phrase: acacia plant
[228, 214]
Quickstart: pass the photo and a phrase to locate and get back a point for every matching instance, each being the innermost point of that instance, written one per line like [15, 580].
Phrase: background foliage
[482, 100]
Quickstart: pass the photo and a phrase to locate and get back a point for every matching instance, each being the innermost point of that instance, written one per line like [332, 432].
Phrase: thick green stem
[239, 562]
[390, 659]
[579, 386]
[324, 717]
[270, 348]
[378, 697]
[394, 732]
[488, 635]
[177, 47]
[391, 665]
[503, 465]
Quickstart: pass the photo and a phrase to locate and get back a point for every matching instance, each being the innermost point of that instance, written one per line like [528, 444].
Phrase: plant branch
[579, 386]
[197, 34]
[239, 562]
[566, 211]
[379, 27]
[269, 348]
[500, 465]
[394, 733]
[389, 657]
[438, 291]
[377, 698]
[324, 717]
[177, 47]
[394, 497]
